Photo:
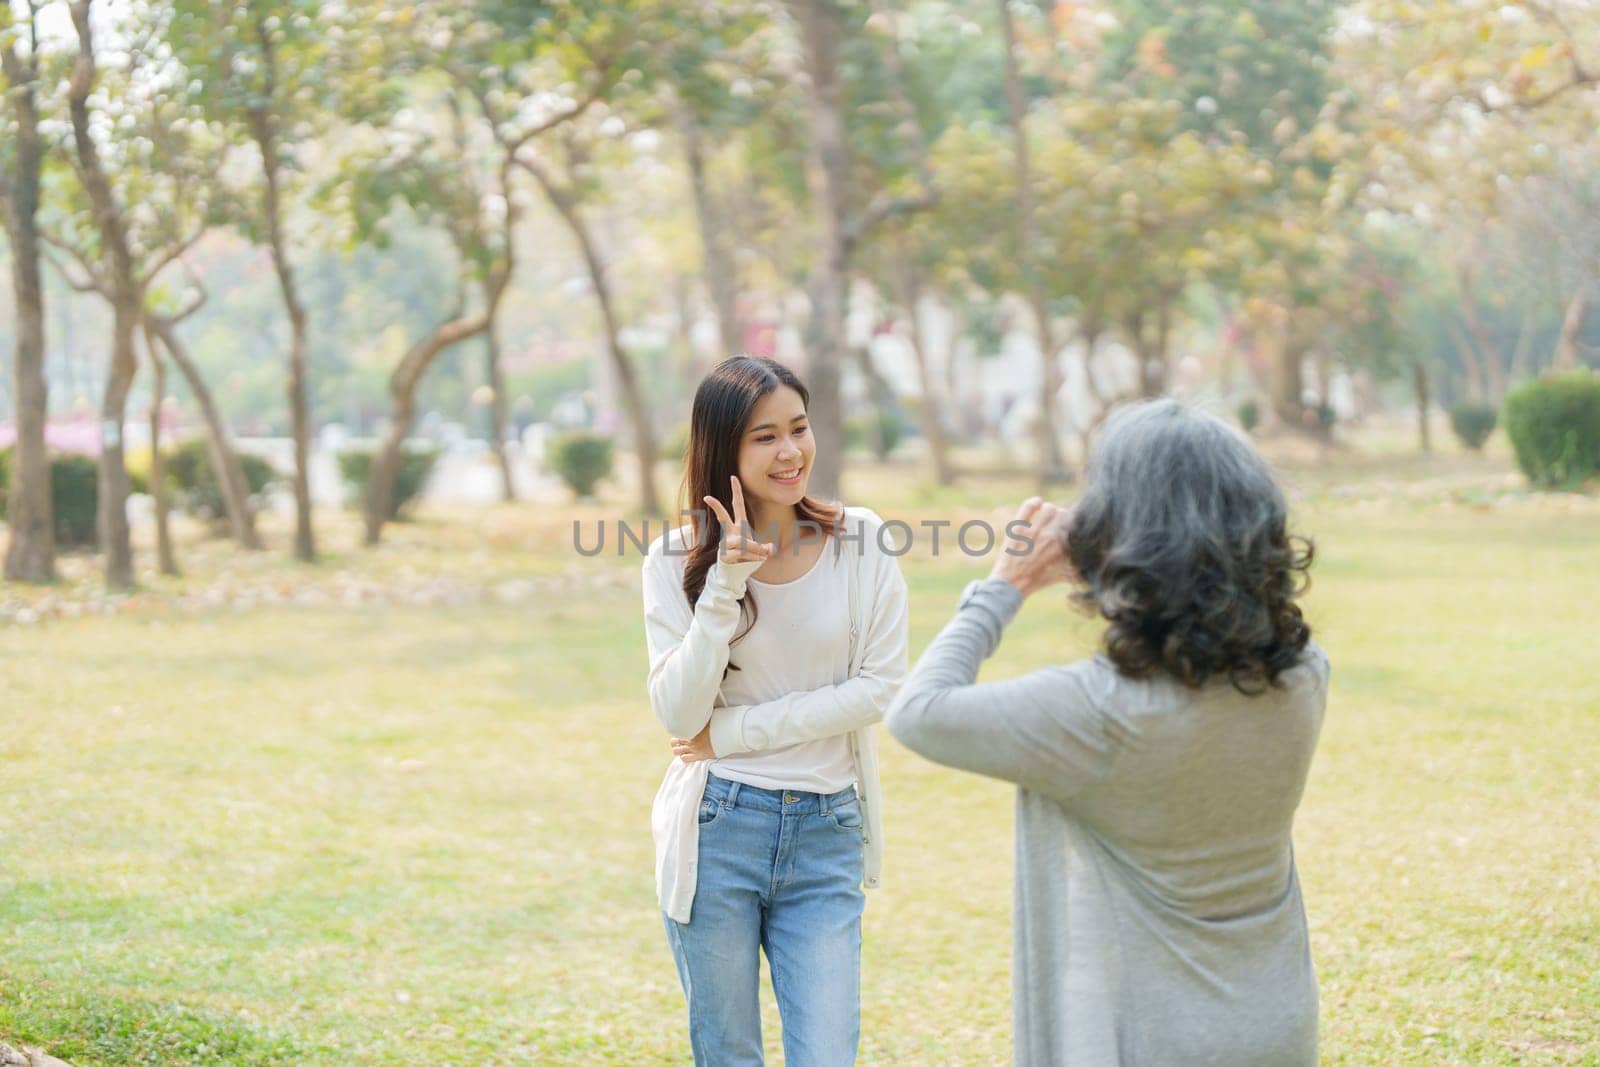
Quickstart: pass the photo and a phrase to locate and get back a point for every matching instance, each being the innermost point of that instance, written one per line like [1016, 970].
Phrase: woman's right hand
[1034, 556]
[738, 543]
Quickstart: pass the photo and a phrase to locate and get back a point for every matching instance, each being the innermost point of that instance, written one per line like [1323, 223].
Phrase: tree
[152, 169]
[272, 73]
[716, 75]
[558, 174]
[162, 333]
[1052, 468]
[123, 291]
[30, 553]
[824, 37]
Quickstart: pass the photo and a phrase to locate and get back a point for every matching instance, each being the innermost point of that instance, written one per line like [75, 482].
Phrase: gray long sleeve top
[1157, 910]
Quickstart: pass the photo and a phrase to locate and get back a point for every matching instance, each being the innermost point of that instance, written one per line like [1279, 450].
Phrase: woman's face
[777, 440]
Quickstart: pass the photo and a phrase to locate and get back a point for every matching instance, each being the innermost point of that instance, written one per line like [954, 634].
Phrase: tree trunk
[112, 515]
[1469, 363]
[403, 395]
[113, 485]
[1566, 357]
[1419, 385]
[497, 407]
[1288, 388]
[225, 461]
[31, 551]
[1488, 356]
[1152, 353]
[827, 177]
[644, 438]
[1524, 349]
[1051, 467]
[721, 275]
[932, 424]
[167, 559]
[264, 131]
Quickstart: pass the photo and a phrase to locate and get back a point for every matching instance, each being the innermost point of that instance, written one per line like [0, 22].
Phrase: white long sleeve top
[689, 653]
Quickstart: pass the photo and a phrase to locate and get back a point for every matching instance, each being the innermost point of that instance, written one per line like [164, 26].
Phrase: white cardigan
[689, 654]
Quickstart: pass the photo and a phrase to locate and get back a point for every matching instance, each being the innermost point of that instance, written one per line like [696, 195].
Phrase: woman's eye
[765, 440]
[801, 432]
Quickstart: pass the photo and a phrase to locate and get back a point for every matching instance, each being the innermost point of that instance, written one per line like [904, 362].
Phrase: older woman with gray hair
[1158, 918]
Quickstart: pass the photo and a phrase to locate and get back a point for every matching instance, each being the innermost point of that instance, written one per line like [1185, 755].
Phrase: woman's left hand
[695, 748]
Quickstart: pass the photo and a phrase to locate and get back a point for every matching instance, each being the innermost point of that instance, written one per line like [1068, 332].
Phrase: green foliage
[1245, 66]
[881, 431]
[1473, 423]
[416, 464]
[582, 459]
[74, 495]
[75, 498]
[548, 384]
[195, 484]
[676, 445]
[1249, 412]
[1554, 427]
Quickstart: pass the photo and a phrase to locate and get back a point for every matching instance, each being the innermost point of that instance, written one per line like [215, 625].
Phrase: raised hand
[1034, 556]
[738, 538]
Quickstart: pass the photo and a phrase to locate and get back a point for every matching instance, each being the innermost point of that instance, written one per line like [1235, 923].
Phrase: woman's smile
[788, 477]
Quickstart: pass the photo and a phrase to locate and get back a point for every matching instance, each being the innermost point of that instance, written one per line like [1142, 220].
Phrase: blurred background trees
[973, 228]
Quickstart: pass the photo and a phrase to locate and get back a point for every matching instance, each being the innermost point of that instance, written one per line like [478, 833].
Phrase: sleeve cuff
[731, 577]
[727, 731]
[996, 596]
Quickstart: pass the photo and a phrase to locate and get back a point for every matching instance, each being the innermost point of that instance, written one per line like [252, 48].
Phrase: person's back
[1158, 910]
[1202, 797]
[1172, 882]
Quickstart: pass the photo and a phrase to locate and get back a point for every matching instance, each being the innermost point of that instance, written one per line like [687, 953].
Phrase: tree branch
[94, 283]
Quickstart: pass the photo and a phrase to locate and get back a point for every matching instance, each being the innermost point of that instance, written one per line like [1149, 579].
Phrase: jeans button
[789, 798]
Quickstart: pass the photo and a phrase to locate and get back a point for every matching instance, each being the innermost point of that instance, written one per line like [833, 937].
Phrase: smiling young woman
[767, 823]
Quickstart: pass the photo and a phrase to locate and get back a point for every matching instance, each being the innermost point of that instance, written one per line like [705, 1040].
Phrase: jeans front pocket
[847, 816]
[710, 811]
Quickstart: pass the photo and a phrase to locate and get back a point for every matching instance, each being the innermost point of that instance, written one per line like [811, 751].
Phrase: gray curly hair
[1181, 538]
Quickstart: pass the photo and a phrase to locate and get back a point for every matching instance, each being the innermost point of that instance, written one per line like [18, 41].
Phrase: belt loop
[825, 801]
[733, 795]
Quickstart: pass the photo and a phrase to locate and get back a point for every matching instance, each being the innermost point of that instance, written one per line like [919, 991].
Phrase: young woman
[1158, 917]
[777, 638]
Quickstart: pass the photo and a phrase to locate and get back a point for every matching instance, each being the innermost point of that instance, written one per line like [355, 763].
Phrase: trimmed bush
[1249, 412]
[1554, 427]
[1473, 423]
[196, 488]
[582, 459]
[416, 465]
[858, 432]
[74, 496]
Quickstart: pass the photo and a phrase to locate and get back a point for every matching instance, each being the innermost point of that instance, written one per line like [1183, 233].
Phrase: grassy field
[396, 809]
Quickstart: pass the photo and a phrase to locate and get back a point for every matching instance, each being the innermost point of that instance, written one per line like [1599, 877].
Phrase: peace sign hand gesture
[738, 545]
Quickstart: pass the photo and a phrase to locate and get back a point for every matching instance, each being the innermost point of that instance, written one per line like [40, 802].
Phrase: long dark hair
[722, 407]
[1181, 538]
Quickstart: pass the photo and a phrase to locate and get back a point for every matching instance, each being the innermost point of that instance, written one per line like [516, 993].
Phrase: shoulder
[668, 553]
[862, 520]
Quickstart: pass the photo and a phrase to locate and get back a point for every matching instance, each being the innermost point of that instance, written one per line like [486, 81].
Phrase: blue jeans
[779, 871]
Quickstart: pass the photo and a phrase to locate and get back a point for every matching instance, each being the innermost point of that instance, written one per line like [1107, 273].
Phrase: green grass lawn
[333, 830]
